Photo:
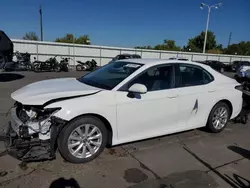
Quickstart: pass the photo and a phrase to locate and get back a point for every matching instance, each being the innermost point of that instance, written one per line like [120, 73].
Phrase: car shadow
[8, 77]
[63, 183]
[243, 152]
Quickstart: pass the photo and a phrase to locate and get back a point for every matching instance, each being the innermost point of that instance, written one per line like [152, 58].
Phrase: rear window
[190, 75]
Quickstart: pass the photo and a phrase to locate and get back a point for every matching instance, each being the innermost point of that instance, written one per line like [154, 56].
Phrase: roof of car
[158, 61]
[128, 55]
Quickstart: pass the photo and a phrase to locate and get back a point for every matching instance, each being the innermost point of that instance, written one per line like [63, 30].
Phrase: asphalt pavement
[192, 159]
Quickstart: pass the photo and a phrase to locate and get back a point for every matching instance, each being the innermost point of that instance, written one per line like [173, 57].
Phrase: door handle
[172, 97]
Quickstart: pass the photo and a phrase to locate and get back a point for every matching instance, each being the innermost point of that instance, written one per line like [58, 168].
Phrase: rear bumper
[237, 106]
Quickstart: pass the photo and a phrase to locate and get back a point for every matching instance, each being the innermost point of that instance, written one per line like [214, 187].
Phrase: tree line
[194, 44]
[68, 38]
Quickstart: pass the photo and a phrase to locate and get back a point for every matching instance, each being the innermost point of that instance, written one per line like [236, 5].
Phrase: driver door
[151, 114]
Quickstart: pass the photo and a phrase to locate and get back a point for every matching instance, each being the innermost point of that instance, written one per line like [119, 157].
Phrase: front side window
[110, 75]
[154, 78]
[189, 75]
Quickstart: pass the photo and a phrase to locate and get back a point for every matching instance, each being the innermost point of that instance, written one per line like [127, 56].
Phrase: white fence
[103, 54]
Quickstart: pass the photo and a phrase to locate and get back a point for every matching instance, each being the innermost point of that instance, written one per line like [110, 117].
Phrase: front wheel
[78, 67]
[82, 140]
[218, 117]
[36, 68]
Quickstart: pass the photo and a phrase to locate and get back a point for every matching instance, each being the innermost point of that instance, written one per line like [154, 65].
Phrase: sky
[127, 23]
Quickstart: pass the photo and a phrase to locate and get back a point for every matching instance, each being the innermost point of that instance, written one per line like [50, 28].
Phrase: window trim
[176, 65]
[161, 65]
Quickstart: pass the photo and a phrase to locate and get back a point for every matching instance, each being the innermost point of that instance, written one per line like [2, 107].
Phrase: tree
[215, 51]
[196, 43]
[242, 48]
[167, 45]
[83, 40]
[30, 36]
[69, 38]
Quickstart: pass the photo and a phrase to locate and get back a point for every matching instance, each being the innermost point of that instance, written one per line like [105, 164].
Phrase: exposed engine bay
[32, 132]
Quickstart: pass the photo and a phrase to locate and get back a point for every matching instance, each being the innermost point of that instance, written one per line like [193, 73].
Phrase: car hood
[41, 92]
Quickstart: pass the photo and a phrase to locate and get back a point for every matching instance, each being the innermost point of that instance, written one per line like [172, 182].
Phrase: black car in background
[125, 56]
[6, 49]
[216, 65]
[237, 64]
[177, 58]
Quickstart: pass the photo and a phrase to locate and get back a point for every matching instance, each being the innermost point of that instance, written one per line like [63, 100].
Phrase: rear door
[195, 89]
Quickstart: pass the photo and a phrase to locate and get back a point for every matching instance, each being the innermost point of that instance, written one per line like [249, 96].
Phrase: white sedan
[124, 101]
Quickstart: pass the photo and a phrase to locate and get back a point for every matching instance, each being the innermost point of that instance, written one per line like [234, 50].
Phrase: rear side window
[191, 75]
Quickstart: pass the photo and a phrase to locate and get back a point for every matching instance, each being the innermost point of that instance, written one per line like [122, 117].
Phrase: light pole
[216, 6]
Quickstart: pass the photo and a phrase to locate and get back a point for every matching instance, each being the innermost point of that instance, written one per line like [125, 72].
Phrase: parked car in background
[237, 64]
[6, 49]
[227, 66]
[178, 58]
[125, 56]
[121, 102]
[243, 74]
[216, 65]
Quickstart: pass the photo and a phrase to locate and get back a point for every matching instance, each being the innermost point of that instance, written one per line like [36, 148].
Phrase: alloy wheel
[220, 117]
[85, 141]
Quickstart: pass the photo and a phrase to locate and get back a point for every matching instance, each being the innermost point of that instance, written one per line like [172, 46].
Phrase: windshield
[110, 75]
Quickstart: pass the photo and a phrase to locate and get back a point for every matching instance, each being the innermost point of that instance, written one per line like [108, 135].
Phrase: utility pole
[41, 22]
[229, 40]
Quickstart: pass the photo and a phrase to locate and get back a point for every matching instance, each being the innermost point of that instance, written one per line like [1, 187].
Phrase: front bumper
[27, 150]
[15, 122]
[22, 146]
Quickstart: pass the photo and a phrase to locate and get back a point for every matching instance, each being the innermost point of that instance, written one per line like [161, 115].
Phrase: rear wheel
[29, 67]
[218, 117]
[82, 140]
[57, 68]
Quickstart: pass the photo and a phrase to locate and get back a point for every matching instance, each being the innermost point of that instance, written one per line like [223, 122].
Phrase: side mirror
[138, 88]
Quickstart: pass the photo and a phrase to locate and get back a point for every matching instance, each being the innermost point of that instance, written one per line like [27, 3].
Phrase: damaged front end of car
[32, 132]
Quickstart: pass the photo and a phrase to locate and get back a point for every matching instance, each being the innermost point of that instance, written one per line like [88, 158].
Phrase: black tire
[222, 70]
[57, 68]
[210, 118]
[3, 61]
[36, 68]
[79, 67]
[67, 130]
[29, 67]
